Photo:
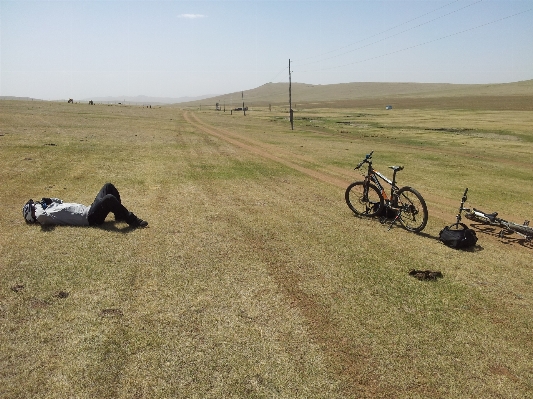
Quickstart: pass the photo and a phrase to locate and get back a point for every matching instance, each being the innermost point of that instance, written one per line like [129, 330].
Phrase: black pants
[107, 200]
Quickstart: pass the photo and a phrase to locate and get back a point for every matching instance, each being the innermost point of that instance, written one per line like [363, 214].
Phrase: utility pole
[243, 109]
[290, 98]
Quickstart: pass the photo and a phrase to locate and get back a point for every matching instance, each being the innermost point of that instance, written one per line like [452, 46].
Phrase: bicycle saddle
[396, 168]
[490, 216]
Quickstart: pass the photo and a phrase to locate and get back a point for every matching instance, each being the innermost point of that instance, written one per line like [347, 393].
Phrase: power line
[380, 33]
[279, 73]
[421, 44]
[251, 98]
[397, 51]
[388, 37]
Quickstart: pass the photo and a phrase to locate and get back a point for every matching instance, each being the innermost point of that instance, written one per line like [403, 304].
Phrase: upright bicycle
[368, 198]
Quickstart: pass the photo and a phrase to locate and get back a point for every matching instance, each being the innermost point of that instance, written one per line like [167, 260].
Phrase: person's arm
[49, 201]
[44, 218]
[39, 211]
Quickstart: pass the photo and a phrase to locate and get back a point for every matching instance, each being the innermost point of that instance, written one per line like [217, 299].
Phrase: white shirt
[62, 213]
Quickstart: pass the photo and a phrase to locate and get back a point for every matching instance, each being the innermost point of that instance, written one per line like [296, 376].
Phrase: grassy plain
[253, 278]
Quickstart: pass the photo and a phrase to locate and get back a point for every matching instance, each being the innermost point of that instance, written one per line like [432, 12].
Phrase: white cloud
[191, 16]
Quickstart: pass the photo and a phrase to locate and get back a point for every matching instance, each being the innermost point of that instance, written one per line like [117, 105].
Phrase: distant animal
[91, 102]
[70, 101]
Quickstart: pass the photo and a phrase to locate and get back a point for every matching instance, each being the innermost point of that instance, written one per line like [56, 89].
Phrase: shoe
[135, 222]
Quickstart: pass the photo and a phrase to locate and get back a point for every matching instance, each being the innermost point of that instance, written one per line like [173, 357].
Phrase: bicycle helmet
[28, 211]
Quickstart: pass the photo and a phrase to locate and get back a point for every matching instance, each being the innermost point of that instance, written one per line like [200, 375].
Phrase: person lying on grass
[53, 211]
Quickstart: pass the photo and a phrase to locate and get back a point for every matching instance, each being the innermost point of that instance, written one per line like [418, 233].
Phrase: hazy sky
[81, 49]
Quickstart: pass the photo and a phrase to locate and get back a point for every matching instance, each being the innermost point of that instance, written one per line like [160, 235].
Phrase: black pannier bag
[458, 236]
[385, 213]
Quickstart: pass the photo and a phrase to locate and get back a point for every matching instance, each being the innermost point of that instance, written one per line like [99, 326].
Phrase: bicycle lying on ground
[492, 219]
[368, 198]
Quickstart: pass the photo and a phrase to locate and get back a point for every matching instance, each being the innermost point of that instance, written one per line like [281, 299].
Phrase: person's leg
[108, 188]
[108, 200]
[102, 206]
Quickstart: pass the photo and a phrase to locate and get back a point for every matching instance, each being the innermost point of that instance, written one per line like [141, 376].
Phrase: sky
[81, 49]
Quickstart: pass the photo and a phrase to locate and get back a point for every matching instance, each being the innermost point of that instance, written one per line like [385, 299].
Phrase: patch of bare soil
[503, 371]
[38, 303]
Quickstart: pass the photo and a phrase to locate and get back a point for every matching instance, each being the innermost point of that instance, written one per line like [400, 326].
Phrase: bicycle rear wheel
[413, 209]
[364, 199]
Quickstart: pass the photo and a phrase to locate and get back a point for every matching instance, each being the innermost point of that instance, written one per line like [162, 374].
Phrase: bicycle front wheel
[364, 199]
[413, 209]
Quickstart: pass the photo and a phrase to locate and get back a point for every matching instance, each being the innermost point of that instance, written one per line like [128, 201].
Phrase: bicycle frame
[406, 204]
[373, 175]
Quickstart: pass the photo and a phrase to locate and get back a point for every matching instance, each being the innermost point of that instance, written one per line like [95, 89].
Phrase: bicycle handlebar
[368, 156]
[464, 196]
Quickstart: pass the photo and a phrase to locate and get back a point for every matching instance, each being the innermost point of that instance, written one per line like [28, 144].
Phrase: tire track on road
[260, 149]
[343, 359]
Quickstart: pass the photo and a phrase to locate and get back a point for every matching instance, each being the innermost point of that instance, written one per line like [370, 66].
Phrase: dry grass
[253, 279]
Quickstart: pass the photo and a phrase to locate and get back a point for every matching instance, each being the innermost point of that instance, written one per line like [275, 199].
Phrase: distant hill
[501, 96]
[11, 98]
[137, 100]
[144, 100]
[278, 93]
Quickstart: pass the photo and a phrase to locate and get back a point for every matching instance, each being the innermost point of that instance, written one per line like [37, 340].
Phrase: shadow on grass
[506, 238]
[475, 248]
[108, 226]
[111, 226]
[387, 222]
[427, 235]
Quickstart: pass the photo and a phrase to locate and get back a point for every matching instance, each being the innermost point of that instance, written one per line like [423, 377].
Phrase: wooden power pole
[290, 98]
